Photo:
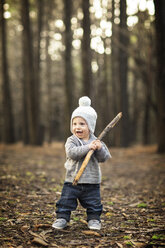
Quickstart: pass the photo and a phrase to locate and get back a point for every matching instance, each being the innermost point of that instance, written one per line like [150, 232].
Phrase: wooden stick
[89, 154]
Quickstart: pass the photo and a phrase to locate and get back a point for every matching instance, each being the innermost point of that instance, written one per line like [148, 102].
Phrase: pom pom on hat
[84, 101]
[86, 112]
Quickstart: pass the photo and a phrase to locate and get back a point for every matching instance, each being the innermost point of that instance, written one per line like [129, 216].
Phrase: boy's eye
[81, 124]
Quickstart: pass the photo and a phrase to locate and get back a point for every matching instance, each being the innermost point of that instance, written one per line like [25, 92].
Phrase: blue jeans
[87, 194]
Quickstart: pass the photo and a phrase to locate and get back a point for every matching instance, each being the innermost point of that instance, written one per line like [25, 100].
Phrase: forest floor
[132, 189]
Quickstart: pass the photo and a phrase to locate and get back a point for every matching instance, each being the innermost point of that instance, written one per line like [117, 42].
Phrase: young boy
[87, 191]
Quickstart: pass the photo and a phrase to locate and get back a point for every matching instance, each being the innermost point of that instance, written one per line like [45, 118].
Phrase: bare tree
[69, 78]
[40, 7]
[115, 75]
[123, 60]
[160, 39]
[8, 121]
[86, 51]
[30, 99]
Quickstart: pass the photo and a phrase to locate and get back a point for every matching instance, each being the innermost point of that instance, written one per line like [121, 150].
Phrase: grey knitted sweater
[76, 150]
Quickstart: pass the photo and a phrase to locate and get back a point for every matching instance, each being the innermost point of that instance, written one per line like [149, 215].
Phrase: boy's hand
[95, 145]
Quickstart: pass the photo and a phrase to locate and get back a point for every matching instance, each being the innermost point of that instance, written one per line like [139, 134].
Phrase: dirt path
[132, 190]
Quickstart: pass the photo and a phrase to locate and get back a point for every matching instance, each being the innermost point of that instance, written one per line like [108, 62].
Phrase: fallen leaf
[25, 228]
[34, 234]
[83, 221]
[139, 244]
[91, 233]
[108, 214]
[46, 232]
[39, 241]
[125, 215]
[134, 204]
[40, 225]
[119, 245]
[54, 245]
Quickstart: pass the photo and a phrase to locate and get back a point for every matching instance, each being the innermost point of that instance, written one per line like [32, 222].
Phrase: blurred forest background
[53, 52]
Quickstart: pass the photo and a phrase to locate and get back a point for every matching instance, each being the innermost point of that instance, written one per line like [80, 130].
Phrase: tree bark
[160, 39]
[8, 121]
[86, 52]
[30, 105]
[116, 136]
[40, 5]
[123, 60]
[49, 120]
[69, 78]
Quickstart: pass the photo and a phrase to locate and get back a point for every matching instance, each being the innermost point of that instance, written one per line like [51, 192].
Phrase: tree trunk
[135, 111]
[115, 101]
[103, 91]
[49, 94]
[8, 121]
[146, 123]
[25, 126]
[86, 52]
[123, 76]
[160, 39]
[69, 78]
[40, 5]
[49, 120]
[29, 78]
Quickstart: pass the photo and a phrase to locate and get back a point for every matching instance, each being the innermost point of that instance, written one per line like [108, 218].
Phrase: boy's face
[80, 128]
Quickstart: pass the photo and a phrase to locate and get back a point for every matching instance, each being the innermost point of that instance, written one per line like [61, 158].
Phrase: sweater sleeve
[74, 151]
[103, 154]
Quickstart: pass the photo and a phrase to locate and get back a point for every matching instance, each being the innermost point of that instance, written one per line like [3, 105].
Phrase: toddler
[87, 191]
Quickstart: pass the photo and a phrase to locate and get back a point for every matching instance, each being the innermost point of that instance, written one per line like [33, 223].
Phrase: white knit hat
[86, 112]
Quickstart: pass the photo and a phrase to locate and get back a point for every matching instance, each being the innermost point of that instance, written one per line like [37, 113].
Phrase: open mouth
[79, 132]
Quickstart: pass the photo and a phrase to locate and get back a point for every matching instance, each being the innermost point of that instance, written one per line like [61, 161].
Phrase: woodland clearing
[132, 189]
